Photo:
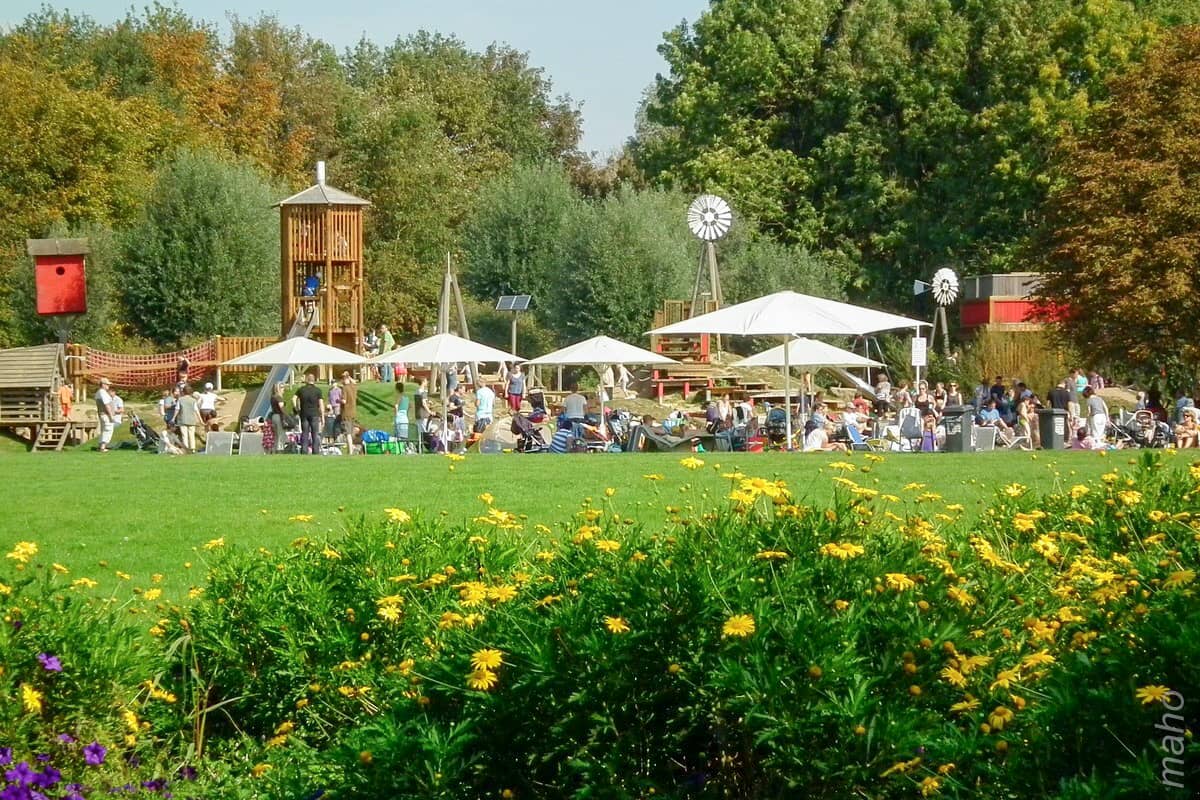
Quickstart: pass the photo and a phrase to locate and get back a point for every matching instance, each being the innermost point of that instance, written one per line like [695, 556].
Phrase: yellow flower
[841, 550]
[953, 677]
[963, 598]
[486, 498]
[691, 462]
[1078, 491]
[653, 477]
[330, 553]
[1037, 659]
[487, 659]
[608, 545]
[1152, 694]
[899, 581]
[60, 569]
[545, 556]
[739, 625]
[213, 544]
[501, 594]
[1157, 516]
[31, 698]
[930, 786]
[913, 487]
[23, 552]
[845, 466]
[455, 457]
[79, 583]
[771, 555]
[1000, 717]
[970, 704]
[840, 605]
[902, 767]
[398, 515]
[609, 492]
[1130, 497]
[616, 625]
[878, 459]
[1181, 578]
[260, 769]
[1014, 490]
[300, 518]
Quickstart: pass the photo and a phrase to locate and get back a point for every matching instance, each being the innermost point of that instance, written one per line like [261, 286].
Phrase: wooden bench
[684, 382]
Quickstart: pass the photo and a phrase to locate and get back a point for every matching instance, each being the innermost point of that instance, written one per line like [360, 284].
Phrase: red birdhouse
[59, 275]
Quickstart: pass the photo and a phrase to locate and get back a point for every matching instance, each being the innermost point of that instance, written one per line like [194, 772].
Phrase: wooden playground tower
[321, 263]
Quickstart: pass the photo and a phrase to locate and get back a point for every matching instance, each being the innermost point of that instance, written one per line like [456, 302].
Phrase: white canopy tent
[806, 354]
[598, 352]
[442, 349]
[296, 352]
[790, 314]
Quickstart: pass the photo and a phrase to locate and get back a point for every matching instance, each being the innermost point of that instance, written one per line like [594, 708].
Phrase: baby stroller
[146, 438]
[1145, 430]
[529, 437]
[538, 401]
[776, 426]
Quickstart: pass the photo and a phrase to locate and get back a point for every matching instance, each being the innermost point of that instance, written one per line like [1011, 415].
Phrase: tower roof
[321, 195]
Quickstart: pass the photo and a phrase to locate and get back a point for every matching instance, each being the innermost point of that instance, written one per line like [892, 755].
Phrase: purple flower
[5, 756]
[187, 772]
[50, 663]
[155, 785]
[48, 777]
[66, 738]
[94, 753]
[74, 794]
[42, 757]
[21, 774]
[18, 624]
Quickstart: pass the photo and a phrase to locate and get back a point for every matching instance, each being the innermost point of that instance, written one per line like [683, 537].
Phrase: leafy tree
[512, 240]
[1123, 232]
[203, 258]
[902, 134]
[401, 291]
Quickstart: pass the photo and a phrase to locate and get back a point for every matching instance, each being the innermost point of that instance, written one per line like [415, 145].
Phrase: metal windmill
[710, 218]
[944, 288]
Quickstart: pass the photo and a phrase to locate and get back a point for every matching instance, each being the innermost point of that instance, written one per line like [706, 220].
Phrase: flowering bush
[884, 646]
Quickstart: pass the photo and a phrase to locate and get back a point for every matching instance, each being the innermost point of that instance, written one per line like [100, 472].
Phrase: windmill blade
[944, 286]
[709, 217]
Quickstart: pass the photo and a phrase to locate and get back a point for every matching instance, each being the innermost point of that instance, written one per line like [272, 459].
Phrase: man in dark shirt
[312, 411]
[1060, 396]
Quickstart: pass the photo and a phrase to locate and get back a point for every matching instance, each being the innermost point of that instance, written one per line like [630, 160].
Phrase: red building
[999, 302]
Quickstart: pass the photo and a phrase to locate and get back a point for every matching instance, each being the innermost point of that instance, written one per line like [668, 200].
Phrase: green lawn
[144, 514]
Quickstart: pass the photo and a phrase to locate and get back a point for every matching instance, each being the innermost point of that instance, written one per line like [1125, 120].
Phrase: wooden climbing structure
[30, 379]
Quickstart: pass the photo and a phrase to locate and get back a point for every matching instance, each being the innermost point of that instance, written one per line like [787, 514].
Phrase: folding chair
[910, 428]
[218, 443]
[250, 444]
[985, 437]
[857, 442]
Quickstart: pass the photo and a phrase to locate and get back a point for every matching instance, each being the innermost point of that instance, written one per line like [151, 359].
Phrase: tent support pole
[787, 391]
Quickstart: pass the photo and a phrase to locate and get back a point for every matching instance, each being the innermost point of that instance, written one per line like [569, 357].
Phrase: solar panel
[514, 302]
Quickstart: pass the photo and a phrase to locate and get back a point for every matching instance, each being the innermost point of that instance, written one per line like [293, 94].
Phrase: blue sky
[601, 53]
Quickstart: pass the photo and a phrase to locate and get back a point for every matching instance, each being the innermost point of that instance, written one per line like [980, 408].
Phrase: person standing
[400, 415]
[387, 343]
[187, 417]
[106, 413]
[66, 397]
[333, 410]
[424, 411]
[608, 383]
[1097, 415]
[516, 388]
[485, 400]
[624, 378]
[208, 404]
[277, 416]
[349, 406]
[312, 411]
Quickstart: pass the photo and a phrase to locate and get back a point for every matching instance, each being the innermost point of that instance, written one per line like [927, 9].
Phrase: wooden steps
[51, 436]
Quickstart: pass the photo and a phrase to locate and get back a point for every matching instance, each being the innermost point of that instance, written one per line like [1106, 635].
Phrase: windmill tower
[709, 218]
[321, 264]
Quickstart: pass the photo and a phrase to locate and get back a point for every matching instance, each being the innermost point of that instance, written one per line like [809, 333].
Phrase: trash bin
[959, 422]
[1052, 424]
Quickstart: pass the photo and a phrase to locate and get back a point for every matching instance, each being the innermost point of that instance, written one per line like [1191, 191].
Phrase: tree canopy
[903, 135]
[1122, 241]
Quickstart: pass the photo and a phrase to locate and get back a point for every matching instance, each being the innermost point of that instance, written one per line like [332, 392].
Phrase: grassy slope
[146, 514]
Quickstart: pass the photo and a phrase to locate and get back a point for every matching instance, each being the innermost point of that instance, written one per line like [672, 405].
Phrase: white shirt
[208, 401]
[485, 399]
[816, 439]
[575, 406]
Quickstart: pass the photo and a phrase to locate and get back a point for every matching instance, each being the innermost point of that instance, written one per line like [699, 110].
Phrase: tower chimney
[320, 173]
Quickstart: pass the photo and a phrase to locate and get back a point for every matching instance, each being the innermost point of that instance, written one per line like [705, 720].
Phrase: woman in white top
[1097, 416]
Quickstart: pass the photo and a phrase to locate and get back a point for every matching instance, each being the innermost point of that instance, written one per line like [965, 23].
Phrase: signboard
[918, 351]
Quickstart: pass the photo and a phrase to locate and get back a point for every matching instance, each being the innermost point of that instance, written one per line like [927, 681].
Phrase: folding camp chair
[857, 442]
[985, 437]
[910, 428]
[250, 444]
[218, 443]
